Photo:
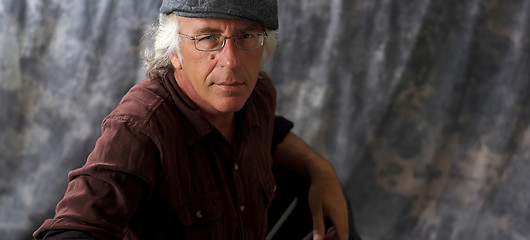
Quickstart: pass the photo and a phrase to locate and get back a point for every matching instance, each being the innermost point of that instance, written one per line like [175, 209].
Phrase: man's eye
[247, 35]
[207, 38]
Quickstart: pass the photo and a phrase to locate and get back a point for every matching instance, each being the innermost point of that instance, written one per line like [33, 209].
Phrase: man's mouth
[229, 85]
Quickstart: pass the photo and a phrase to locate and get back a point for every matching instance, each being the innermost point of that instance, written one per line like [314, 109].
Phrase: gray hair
[166, 41]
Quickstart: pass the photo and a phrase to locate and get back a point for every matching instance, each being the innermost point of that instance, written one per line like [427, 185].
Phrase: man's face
[218, 82]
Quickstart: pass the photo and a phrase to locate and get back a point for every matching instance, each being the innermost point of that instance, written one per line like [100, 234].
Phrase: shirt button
[198, 214]
[236, 167]
[242, 207]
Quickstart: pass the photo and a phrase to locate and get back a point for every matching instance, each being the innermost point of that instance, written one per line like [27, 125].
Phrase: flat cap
[261, 11]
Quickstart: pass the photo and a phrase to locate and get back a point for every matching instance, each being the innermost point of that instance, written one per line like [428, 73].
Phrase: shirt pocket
[201, 217]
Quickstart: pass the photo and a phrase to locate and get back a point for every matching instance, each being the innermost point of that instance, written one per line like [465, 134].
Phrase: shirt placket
[241, 203]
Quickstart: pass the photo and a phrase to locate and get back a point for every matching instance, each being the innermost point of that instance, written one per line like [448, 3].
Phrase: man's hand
[326, 199]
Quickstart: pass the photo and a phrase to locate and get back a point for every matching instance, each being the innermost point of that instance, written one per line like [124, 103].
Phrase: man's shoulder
[264, 89]
[265, 80]
[264, 84]
[141, 101]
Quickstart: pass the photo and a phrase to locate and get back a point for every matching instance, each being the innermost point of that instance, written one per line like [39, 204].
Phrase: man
[188, 153]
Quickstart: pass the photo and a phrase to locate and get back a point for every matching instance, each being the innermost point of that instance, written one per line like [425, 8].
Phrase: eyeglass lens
[212, 42]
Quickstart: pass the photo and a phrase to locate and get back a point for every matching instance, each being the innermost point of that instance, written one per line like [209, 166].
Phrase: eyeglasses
[215, 42]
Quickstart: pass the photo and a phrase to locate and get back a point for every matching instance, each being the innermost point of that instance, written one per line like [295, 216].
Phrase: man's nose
[229, 55]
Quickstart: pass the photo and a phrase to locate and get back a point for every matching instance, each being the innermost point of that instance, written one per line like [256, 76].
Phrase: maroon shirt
[162, 171]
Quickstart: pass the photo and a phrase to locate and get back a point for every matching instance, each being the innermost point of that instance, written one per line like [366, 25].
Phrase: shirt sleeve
[282, 126]
[105, 193]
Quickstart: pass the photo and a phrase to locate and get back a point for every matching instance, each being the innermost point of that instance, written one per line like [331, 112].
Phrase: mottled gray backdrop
[421, 105]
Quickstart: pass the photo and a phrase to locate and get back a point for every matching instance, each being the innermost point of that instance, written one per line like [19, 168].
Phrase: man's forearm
[326, 198]
[296, 155]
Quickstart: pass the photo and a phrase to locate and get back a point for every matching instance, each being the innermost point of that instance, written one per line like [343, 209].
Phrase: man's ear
[175, 61]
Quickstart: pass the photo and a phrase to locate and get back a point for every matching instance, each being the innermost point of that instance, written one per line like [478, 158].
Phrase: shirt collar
[246, 119]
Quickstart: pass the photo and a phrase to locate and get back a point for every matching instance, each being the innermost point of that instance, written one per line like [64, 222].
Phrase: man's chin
[230, 106]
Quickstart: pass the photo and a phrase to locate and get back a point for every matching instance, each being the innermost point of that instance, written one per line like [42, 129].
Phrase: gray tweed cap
[262, 11]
